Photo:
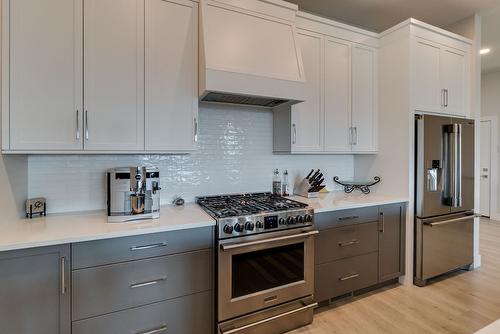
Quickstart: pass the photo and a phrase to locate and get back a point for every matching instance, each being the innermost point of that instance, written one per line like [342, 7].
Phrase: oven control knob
[291, 220]
[259, 224]
[282, 221]
[300, 219]
[228, 229]
[239, 227]
[249, 226]
[308, 218]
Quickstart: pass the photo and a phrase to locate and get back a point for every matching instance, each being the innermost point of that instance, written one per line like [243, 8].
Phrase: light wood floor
[463, 303]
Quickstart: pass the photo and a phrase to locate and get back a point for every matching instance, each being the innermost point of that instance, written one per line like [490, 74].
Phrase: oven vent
[243, 100]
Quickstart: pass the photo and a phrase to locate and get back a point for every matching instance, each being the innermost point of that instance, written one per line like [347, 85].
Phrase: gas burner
[246, 204]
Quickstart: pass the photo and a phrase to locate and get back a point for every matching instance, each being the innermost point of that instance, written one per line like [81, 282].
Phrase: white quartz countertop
[334, 201]
[56, 229]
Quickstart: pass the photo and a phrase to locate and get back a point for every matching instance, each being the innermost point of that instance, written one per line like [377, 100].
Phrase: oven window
[265, 269]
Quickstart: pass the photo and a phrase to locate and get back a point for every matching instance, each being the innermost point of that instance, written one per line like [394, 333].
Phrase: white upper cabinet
[428, 92]
[114, 75]
[42, 75]
[364, 99]
[171, 75]
[307, 117]
[441, 77]
[337, 95]
[455, 80]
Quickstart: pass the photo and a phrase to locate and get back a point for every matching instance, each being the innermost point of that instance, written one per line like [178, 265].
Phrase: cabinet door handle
[77, 124]
[294, 133]
[346, 278]
[442, 98]
[161, 329]
[139, 248]
[86, 125]
[349, 243]
[350, 136]
[195, 130]
[148, 283]
[446, 98]
[382, 223]
[348, 218]
[63, 275]
[355, 135]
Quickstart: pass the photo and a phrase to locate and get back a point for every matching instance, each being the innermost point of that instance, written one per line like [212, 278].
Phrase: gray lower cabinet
[186, 315]
[392, 242]
[35, 291]
[358, 248]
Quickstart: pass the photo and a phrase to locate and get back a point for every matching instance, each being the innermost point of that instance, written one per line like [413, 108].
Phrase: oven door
[264, 270]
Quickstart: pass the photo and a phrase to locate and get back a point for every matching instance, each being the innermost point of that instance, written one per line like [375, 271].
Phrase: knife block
[302, 189]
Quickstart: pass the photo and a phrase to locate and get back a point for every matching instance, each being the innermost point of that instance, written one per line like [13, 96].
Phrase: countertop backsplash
[234, 155]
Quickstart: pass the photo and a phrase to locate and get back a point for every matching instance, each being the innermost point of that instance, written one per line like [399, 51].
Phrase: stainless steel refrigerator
[444, 196]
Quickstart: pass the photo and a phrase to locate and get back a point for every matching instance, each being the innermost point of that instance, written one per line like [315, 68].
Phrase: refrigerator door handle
[451, 221]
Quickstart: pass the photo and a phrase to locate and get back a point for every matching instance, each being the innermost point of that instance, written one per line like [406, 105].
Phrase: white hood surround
[249, 53]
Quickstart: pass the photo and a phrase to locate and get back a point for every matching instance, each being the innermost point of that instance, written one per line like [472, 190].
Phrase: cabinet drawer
[100, 252]
[119, 286]
[338, 243]
[173, 316]
[326, 220]
[335, 278]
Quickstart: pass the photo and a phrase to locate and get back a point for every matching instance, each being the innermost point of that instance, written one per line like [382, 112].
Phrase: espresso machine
[133, 193]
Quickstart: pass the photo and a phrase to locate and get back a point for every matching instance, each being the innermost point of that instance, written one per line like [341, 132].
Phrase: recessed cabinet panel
[114, 75]
[171, 75]
[307, 117]
[42, 58]
[427, 87]
[337, 96]
[364, 116]
[454, 73]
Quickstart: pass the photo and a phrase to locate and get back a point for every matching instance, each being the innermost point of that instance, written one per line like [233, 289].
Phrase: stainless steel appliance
[444, 196]
[265, 263]
[133, 193]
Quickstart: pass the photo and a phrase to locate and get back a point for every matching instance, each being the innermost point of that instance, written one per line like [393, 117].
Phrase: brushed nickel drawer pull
[158, 245]
[144, 284]
[63, 275]
[161, 329]
[349, 243]
[272, 318]
[348, 218]
[346, 278]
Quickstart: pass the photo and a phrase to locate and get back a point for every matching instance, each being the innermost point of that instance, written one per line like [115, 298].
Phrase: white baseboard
[477, 261]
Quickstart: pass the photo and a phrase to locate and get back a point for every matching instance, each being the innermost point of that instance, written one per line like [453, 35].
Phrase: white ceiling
[378, 15]
[491, 39]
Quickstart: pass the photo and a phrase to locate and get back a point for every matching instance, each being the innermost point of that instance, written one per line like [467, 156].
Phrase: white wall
[234, 155]
[490, 106]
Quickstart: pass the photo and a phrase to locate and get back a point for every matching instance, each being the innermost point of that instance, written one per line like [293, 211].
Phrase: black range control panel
[270, 222]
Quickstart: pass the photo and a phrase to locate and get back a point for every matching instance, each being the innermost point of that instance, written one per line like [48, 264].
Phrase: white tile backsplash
[234, 155]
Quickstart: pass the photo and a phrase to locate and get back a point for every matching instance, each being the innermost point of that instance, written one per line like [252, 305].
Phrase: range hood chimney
[249, 53]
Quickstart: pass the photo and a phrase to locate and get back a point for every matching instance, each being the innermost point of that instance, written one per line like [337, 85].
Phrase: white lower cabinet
[99, 76]
[339, 115]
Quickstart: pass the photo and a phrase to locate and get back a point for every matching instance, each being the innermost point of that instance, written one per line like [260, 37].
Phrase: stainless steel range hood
[249, 53]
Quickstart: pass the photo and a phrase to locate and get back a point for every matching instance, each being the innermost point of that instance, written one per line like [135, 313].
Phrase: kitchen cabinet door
[337, 95]
[427, 88]
[391, 241]
[307, 117]
[364, 99]
[35, 293]
[114, 75]
[42, 74]
[171, 75]
[454, 79]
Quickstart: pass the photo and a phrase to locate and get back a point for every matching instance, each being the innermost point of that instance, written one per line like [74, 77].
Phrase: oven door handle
[263, 321]
[265, 241]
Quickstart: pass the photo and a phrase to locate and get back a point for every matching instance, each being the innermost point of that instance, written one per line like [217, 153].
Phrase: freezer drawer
[443, 244]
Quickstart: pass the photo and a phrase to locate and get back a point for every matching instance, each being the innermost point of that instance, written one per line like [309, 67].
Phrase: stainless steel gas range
[265, 262]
